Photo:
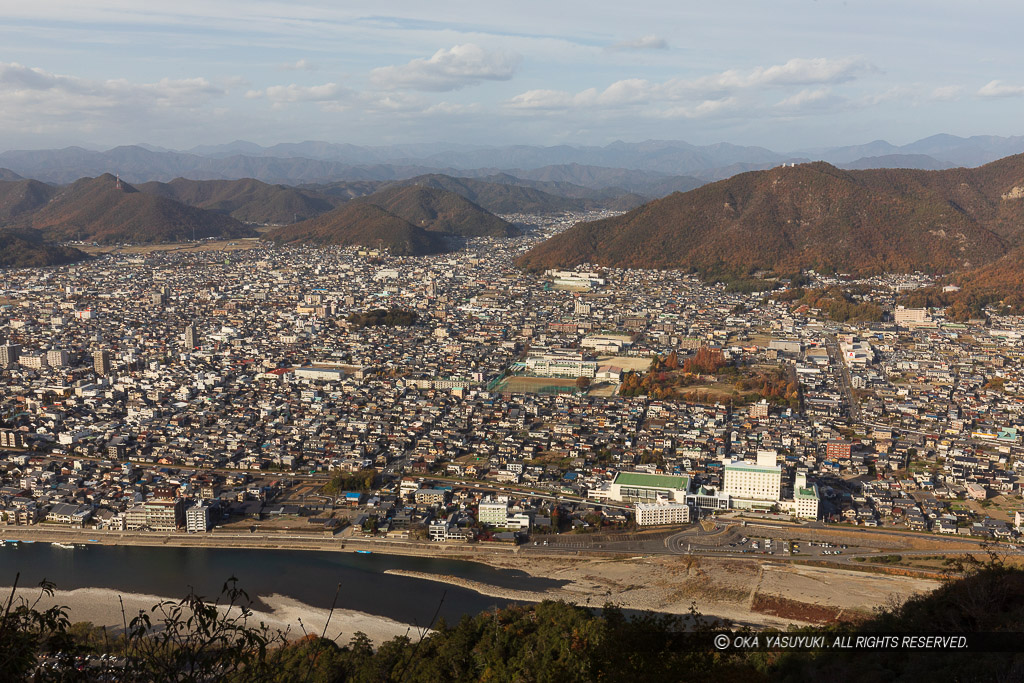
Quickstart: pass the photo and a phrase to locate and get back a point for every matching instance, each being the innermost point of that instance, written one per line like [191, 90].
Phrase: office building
[756, 482]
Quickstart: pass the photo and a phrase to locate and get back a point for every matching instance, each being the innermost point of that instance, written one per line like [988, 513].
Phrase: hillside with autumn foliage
[27, 249]
[811, 216]
[365, 225]
[104, 210]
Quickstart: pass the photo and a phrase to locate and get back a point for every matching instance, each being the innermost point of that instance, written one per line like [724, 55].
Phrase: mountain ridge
[26, 248]
[810, 216]
[325, 162]
[102, 209]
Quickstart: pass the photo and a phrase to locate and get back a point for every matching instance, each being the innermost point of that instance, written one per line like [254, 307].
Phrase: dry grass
[795, 610]
[239, 244]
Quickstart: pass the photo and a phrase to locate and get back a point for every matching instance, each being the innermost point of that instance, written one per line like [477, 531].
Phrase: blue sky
[785, 74]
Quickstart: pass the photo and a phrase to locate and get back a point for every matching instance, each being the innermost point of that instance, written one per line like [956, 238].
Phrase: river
[310, 577]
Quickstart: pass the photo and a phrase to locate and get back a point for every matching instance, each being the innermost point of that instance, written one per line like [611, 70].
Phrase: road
[842, 375]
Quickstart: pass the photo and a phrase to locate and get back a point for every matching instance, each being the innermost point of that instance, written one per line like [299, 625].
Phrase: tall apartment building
[805, 497]
[9, 355]
[759, 409]
[10, 438]
[34, 361]
[841, 450]
[101, 362]
[910, 317]
[190, 337]
[197, 518]
[58, 358]
[165, 514]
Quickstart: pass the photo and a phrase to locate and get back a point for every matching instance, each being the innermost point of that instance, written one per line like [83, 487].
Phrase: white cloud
[796, 71]
[814, 99]
[453, 109]
[286, 94]
[945, 93]
[451, 69]
[54, 95]
[36, 102]
[644, 43]
[999, 89]
[713, 88]
[700, 110]
[300, 65]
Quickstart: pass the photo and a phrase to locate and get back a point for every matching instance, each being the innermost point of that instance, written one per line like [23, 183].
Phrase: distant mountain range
[812, 216]
[872, 209]
[652, 169]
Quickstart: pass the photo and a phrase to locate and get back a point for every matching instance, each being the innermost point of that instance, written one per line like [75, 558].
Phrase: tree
[363, 481]
[26, 632]
[193, 638]
[582, 383]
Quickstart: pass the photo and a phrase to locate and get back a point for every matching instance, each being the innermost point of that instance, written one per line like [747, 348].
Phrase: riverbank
[745, 591]
[254, 541]
[103, 607]
[755, 592]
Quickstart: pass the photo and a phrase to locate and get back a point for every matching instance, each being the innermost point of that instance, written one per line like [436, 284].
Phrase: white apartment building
[493, 512]
[34, 361]
[662, 512]
[806, 502]
[197, 519]
[58, 358]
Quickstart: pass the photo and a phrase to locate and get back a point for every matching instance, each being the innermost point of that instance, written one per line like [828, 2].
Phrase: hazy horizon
[790, 75]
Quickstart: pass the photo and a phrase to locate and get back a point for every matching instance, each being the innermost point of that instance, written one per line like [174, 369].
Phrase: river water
[310, 577]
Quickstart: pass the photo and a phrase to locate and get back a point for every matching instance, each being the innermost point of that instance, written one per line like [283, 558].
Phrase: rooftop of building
[747, 467]
[660, 481]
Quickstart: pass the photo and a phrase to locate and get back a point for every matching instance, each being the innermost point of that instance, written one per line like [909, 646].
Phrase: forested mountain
[19, 197]
[26, 248]
[498, 197]
[97, 209]
[363, 224]
[439, 210]
[247, 200]
[812, 216]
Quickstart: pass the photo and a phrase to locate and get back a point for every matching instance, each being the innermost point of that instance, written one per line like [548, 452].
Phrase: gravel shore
[102, 606]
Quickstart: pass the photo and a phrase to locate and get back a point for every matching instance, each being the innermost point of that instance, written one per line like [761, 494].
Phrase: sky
[788, 75]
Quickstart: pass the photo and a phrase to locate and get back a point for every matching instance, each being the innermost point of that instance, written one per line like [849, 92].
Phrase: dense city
[459, 399]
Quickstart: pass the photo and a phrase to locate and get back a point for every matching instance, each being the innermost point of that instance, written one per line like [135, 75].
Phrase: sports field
[536, 385]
